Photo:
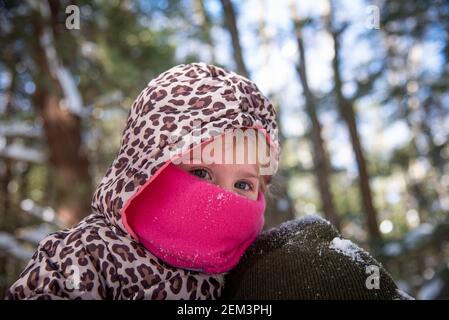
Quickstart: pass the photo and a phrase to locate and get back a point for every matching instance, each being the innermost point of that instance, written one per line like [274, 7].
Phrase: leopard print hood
[98, 258]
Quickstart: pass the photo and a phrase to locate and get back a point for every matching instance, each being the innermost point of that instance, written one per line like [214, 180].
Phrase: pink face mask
[193, 224]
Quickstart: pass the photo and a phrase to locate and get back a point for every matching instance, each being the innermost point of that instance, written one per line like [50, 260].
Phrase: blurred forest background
[361, 90]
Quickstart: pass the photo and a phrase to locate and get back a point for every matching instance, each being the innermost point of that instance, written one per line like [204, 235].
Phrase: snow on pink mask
[193, 224]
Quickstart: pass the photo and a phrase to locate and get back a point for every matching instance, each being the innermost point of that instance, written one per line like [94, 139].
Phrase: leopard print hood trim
[98, 258]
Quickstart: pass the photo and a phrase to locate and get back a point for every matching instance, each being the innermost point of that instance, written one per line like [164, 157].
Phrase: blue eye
[242, 185]
[201, 173]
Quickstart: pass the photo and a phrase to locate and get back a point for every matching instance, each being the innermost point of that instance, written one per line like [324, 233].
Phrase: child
[167, 224]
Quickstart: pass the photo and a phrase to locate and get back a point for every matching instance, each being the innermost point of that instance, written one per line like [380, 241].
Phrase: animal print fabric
[98, 258]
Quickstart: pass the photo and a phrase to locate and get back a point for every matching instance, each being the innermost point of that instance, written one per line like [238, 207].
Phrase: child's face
[242, 178]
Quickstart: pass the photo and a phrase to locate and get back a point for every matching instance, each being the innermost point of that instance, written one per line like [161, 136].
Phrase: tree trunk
[321, 165]
[231, 25]
[62, 131]
[347, 113]
[348, 116]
